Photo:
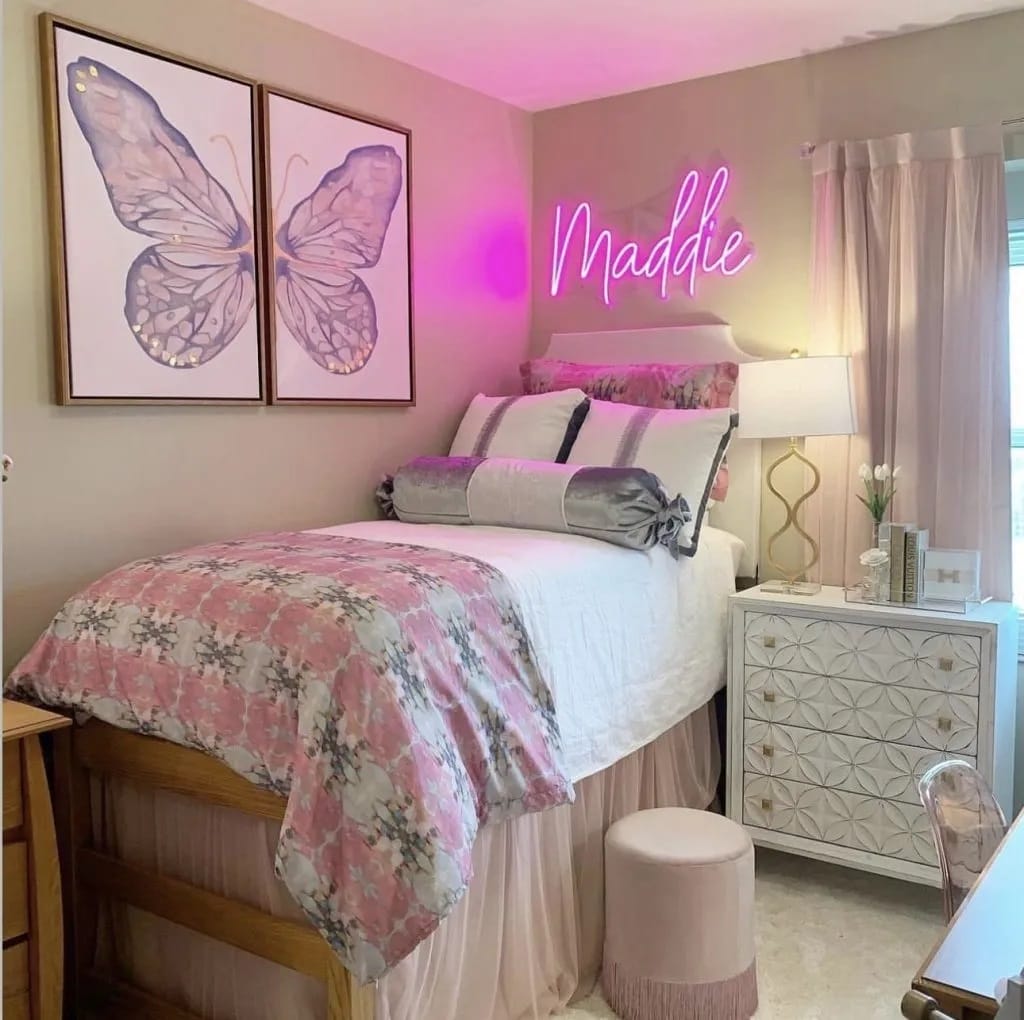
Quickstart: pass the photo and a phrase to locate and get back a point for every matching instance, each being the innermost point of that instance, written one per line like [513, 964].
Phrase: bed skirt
[525, 941]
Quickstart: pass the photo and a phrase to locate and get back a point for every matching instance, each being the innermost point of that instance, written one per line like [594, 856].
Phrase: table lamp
[794, 398]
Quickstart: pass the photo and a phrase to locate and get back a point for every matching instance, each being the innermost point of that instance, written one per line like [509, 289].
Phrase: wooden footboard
[91, 877]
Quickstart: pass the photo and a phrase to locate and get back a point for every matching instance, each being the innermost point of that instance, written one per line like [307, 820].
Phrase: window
[1017, 407]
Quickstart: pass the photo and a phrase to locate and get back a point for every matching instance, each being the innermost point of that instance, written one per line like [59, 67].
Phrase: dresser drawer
[15, 890]
[876, 826]
[855, 764]
[903, 715]
[903, 656]
[14, 813]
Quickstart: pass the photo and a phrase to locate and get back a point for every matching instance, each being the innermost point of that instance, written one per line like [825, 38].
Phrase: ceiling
[542, 53]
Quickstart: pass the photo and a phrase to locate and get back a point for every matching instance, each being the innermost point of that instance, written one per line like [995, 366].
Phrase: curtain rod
[807, 149]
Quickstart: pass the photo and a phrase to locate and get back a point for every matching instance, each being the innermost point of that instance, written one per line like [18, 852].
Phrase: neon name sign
[677, 253]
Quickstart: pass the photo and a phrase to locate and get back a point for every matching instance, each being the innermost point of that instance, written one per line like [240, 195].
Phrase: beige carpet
[832, 942]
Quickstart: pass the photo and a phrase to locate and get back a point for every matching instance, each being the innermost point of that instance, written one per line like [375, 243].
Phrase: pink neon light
[671, 255]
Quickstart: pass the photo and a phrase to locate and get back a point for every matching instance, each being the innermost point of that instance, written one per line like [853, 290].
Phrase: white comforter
[630, 642]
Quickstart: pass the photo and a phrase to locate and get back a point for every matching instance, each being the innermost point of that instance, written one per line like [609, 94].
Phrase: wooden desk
[984, 942]
[33, 944]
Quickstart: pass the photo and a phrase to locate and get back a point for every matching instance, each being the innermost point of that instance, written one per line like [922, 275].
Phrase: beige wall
[96, 487]
[629, 151]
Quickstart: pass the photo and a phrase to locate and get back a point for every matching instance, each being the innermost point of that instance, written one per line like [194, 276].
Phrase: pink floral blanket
[388, 691]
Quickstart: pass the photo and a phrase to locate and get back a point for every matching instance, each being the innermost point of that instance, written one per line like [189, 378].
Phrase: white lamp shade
[796, 397]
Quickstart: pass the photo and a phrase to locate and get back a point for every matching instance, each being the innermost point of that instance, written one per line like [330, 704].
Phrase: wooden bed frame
[90, 877]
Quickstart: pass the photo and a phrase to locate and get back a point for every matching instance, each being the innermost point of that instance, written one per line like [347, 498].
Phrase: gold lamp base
[791, 583]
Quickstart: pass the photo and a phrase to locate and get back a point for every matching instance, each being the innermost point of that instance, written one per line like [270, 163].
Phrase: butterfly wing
[343, 222]
[338, 228]
[186, 305]
[187, 297]
[330, 312]
[156, 183]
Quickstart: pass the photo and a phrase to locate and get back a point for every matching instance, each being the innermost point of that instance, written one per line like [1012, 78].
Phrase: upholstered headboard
[740, 513]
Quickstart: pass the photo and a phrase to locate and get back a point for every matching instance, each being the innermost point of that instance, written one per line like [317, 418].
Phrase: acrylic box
[951, 575]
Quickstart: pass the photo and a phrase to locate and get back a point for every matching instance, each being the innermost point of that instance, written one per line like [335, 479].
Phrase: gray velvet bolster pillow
[626, 506]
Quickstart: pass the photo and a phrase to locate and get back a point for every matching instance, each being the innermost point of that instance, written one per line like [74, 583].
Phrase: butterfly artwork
[171, 261]
[158, 194]
[188, 295]
[339, 242]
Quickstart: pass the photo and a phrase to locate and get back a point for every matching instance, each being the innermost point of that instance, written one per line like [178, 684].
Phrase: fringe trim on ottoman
[639, 998]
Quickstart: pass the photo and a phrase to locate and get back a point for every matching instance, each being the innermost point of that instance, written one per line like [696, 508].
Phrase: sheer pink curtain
[911, 278]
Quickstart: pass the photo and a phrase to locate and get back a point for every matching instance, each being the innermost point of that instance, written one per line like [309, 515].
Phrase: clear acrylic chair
[967, 824]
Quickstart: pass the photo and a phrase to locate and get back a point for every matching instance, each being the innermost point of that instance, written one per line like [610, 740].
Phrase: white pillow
[539, 427]
[684, 448]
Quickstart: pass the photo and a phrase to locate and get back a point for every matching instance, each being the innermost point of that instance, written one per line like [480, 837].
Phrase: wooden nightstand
[836, 709]
[33, 930]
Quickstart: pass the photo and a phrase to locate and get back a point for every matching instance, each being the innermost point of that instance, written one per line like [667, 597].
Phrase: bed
[174, 909]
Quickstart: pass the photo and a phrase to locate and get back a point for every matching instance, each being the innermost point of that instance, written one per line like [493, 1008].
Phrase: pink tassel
[639, 998]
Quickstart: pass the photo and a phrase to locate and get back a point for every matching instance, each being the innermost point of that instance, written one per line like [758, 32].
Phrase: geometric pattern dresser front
[836, 709]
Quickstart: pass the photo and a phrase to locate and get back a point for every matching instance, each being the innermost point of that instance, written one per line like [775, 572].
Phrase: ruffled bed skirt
[525, 940]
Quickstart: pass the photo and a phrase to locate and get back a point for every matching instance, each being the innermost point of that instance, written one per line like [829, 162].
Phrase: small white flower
[878, 472]
[896, 472]
[864, 472]
[873, 557]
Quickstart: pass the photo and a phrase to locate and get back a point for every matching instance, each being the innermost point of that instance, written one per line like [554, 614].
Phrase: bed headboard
[740, 513]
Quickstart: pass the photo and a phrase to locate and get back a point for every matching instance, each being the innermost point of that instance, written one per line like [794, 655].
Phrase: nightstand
[33, 932]
[835, 709]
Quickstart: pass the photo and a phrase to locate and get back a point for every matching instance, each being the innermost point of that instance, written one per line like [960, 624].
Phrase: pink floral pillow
[652, 385]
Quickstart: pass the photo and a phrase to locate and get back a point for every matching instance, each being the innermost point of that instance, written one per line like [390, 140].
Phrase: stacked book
[905, 544]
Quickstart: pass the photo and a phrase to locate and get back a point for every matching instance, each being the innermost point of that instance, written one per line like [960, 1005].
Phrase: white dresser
[835, 710]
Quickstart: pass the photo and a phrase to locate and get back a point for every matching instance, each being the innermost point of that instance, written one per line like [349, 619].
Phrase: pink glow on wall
[692, 245]
[505, 260]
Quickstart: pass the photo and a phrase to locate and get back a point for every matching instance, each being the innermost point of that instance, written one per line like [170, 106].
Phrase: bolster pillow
[626, 506]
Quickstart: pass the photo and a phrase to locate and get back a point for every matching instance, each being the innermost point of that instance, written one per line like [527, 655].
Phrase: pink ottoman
[679, 924]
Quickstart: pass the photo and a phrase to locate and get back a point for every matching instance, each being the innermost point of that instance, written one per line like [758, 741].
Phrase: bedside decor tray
[858, 595]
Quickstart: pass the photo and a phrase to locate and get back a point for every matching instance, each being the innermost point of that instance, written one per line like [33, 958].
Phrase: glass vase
[874, 582]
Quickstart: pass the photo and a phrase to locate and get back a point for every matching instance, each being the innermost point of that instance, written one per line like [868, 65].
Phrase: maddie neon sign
[681, 252]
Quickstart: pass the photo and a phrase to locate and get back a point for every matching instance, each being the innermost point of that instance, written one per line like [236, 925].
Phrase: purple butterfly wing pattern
[187, 297]
[188, 305]
[339, 228]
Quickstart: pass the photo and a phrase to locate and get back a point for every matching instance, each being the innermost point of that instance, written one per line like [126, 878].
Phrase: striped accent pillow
[683, 448]
[541, 427]
[643, 385]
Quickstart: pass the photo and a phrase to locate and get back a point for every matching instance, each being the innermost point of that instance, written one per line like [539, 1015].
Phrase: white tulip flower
[886, 473]
[896, 472]
[878, 473]
[864, 472]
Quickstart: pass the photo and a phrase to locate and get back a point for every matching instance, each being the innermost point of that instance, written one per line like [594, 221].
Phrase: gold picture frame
[243, 264]
[395, 245]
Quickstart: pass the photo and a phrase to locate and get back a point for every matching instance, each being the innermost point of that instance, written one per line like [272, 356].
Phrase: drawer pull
[767, 750]
[946, 665]
[769, 640]
[945, 725]
[768, 696]
[766, 803]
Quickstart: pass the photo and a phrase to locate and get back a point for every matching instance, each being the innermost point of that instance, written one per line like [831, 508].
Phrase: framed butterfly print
[156, 202]
[339, 286]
